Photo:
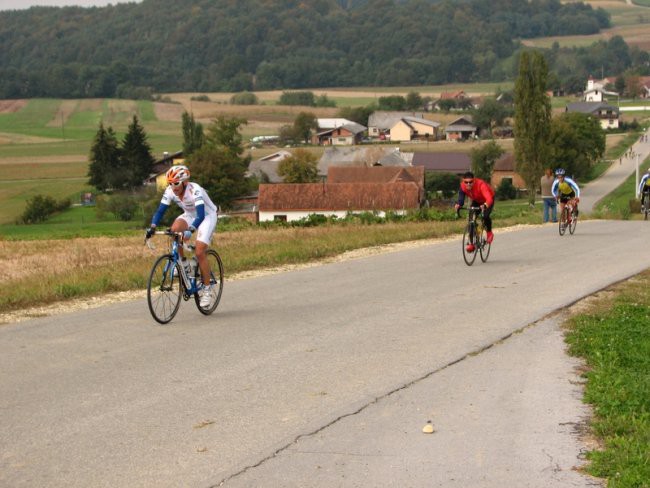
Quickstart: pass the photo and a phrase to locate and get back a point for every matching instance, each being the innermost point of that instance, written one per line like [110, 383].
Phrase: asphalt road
[616, 174]
[323, 376]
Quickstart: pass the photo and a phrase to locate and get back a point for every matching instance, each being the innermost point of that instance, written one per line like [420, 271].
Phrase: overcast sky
[22, 4]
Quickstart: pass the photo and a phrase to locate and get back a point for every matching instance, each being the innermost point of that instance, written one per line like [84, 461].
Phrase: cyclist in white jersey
[199, 214]
[644, 186]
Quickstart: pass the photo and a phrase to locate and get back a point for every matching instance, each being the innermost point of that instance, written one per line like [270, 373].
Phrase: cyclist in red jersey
[481, 194]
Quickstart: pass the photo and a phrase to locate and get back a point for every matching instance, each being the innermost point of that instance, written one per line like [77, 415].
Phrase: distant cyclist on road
[644, 189]
[199, 215]
[482, 195]
[565, 189]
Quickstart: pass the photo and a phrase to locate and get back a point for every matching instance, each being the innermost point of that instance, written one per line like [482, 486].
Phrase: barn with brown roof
[290, 202]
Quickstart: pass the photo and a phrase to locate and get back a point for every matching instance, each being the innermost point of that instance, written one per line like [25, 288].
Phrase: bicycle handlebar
[168, 232]
[470, 209]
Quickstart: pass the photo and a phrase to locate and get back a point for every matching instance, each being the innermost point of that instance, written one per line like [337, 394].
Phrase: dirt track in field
[74, 158]
[11, 106]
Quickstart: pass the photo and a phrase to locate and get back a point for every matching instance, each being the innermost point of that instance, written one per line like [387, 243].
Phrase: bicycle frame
[474, 235]
[190, 284]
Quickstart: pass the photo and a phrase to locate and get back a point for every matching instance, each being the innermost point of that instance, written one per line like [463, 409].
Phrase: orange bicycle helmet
[178, 173]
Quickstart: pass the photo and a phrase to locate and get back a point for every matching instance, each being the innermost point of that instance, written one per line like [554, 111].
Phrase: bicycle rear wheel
[216, 282]
[564, 217]
[484, 246]
[646, 210]
[164, 289]
[574, 222]
[469, 237]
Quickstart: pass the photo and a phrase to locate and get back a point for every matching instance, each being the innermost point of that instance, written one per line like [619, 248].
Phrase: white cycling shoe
[206, 296]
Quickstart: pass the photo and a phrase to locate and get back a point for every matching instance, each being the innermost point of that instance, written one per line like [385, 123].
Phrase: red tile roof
[339, 196]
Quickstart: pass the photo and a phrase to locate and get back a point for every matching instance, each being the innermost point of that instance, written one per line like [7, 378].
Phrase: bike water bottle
[193, 266]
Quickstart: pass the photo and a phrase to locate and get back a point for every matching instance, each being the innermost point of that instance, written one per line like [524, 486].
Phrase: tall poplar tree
[193, 137]
[103, 170]
[532, 119]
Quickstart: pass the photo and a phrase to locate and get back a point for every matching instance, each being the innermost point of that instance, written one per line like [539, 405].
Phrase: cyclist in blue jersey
[199, 215]
[565, 189]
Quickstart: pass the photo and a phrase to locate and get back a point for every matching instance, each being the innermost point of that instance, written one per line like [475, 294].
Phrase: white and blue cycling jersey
[645, 182]
[565, 187]
[196, 204]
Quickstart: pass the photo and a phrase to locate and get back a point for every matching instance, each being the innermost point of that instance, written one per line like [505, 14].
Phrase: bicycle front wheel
[574, 222]
[469, 239]
[216, 283]
[484, 245]
[164, 289]
[564, 218]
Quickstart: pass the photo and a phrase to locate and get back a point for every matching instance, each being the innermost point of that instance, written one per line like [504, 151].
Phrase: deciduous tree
[218, 165]
[483, 159]
[301, 167]
[304, 123]
[577, 142]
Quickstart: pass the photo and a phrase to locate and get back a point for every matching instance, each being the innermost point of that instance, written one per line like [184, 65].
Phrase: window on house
[341, 139]
[279, 218]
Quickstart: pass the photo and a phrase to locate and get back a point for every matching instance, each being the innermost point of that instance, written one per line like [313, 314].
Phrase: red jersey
[480, 193]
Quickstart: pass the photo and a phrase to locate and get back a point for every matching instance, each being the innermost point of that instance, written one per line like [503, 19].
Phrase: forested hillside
[131, 50]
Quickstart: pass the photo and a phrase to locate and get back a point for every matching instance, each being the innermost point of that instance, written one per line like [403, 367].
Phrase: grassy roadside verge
[613, 336]
[617, 203]
[40, 272]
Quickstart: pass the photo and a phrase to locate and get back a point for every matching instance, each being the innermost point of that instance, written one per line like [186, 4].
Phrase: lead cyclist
[199, 215]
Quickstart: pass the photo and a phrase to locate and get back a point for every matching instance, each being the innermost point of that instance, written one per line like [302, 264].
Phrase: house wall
[424, 129]
[497, 176]
[609, 123]
[594, 96]
[342, 140]
[161, 179]
[400, 132]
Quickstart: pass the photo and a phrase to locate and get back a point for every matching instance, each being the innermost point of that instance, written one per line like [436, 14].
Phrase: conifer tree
[136, 161]
[103, 171]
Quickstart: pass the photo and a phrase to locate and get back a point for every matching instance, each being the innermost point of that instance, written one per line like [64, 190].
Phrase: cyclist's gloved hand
[150, 232]
[188, 233]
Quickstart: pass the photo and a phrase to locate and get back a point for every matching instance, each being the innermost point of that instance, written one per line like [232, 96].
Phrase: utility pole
[636, 187]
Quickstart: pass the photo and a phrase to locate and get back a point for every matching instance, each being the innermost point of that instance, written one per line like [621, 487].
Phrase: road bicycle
[568, 218]
[169, 281]
[476, 235]
[645, 202]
